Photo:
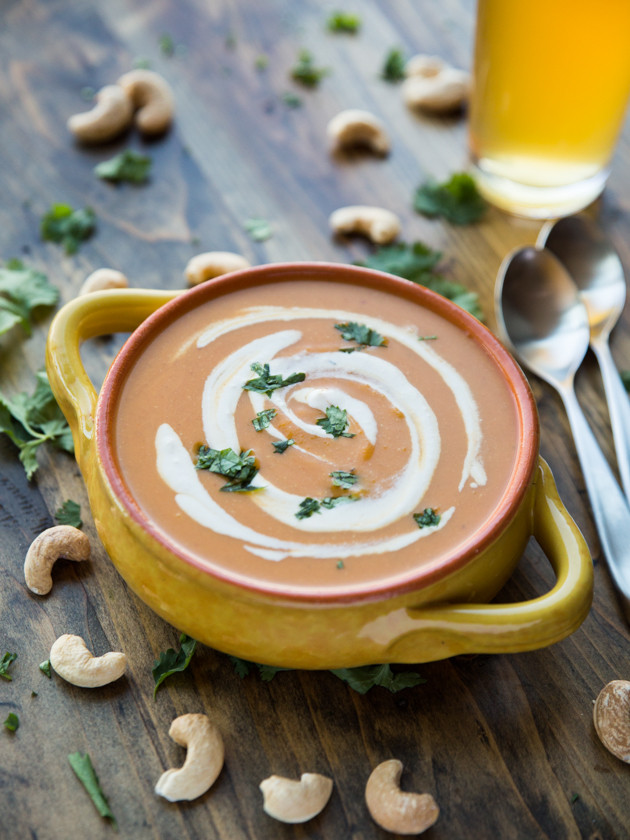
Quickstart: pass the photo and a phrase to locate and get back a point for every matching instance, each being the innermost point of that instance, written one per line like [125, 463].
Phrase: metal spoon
[540, 314]
[597, 271]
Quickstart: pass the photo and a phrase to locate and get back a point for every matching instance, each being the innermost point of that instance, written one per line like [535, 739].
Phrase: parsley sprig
[335, 422]
[267, 383]
[22, 290]
[241, 469]
[458, 200]
[172, 661]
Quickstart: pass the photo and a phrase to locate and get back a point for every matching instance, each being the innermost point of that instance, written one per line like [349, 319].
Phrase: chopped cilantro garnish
[417, 262]
[141, 63]
[68, 227]
[263, 419]
[44, 667]
[258, 229]
[5, 663]
[69, 514]
[85, 773]
[173, 661]
[427, 337]
[458, 200]
[341, 478]
[126, 166]
[331, 502]
[240, 469]
[343, 22]
[340, 564]
[427, 518]
[308, 507]
[30, 421]
[280, 446]
[291, 100]
[167, 45]
[22, 290]
[362, 334]
[12, 722]
[305, 72]
[267, 383]
[335, 422]
[393, 69]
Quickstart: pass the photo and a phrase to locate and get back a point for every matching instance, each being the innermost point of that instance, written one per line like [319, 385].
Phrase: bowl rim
[400, 583]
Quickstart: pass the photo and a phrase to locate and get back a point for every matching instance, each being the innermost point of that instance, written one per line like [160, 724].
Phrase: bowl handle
[87, 316]
[448, 630]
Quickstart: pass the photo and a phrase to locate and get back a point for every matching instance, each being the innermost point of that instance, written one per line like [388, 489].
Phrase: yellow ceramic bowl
[424, 617]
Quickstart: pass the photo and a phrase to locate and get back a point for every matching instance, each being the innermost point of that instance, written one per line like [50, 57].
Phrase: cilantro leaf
[242, 668]
[68, 227]
[341, 478]
[363, 678]
[5, 663]
[343, 22]
[171, 661]
[291, 100]
[427, 518]
[393, 69]
[307, 508]
[30, 421]
[458, 200]
[362, 334]
[85, 773]
[263, 419]
[44, 667]
[69, 514]
[267, 383]
[258, 229]
[126, 166]
[241, 469]
[331, 502]
[280, 446]
[416, 262]
[23, 290]
[335, 422]
[12, 722]
[305, 72]
[167, 45]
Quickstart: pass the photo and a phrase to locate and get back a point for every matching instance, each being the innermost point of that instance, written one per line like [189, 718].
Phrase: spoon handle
[610, 508]
[618, 408]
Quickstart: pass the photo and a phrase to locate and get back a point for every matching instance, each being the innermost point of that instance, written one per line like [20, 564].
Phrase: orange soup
[309, 432]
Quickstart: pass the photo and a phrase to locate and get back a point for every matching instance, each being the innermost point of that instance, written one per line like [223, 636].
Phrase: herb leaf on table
[306, 72]
[69, 514]
[127, 166]
[5, 663]
[173, 661]
[458, 200]
[343, 22]
[393, 69]
[85, 773]
[23, 290]
[68, 227]
[364, 678]
[12, 722]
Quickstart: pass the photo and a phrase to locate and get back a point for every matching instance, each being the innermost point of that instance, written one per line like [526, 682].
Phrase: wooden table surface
[505, 743]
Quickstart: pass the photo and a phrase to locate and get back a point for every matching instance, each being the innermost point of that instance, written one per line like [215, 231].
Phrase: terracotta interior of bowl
[339, 576]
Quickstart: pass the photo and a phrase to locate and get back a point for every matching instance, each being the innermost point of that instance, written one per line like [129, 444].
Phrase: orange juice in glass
[550, 87]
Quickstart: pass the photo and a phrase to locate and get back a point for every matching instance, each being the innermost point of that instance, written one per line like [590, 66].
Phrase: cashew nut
[152, 97]
[611, 716]
[432, 85]
[212, 264]
[379, 225]
[111, 115]
[73, 662]
[60, 541]
[295, 802]
[358, 128]
[204, 759]
[393, 810]
[103, 278]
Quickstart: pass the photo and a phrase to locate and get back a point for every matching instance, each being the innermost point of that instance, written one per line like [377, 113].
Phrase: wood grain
[505, 743]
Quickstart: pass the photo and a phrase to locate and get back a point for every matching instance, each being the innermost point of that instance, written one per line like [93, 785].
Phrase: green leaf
[458, 200]
[22, 290]
[126, 166]
[171, 661]
[267, 383]
[69, 514]
[625, 378]
[258, 229]
[364, 678]
[167, 45]
[307, 508]
[241, 666]
[416, 262]
[85, 773]
[331, 502]
[335, 422]
[362, 334]
[427, 518]
[305, 72]
[261, 62]
[44, 667]
[263, 419]
[393, 69]
[12, 722]
[241, 469]
[343, 22]
[291, 100]
[5, 663]
[30, 421]
[68, 227]
[280, 446]
[341, 478]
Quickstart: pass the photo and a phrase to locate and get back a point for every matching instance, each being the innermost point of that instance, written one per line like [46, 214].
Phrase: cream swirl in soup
[374, 456]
